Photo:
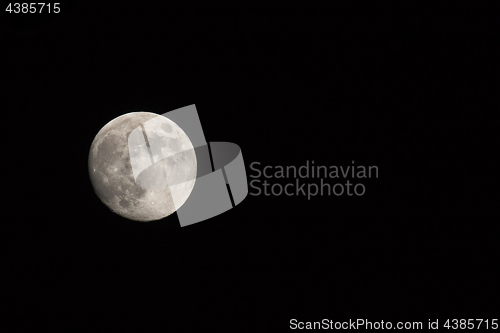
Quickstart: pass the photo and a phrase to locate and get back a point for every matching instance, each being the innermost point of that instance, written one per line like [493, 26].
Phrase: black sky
[407, 89]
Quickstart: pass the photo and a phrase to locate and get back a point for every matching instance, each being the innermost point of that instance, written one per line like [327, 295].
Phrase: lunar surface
[142, 166]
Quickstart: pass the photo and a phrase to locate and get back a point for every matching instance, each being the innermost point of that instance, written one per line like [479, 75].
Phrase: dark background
[409, 89]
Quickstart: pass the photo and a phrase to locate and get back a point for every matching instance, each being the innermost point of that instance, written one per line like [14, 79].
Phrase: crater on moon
[142, 166]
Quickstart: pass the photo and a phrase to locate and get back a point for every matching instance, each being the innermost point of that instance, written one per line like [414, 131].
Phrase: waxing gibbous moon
[142, 166]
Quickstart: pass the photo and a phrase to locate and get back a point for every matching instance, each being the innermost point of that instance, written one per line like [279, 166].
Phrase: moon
[142, 166]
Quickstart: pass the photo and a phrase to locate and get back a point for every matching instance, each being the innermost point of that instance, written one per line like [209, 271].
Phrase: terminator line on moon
[142, 166]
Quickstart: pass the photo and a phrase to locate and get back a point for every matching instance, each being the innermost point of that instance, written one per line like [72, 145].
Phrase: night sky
[408, 89]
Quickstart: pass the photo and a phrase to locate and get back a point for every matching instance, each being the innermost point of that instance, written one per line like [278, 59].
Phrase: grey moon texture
[142, 166]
